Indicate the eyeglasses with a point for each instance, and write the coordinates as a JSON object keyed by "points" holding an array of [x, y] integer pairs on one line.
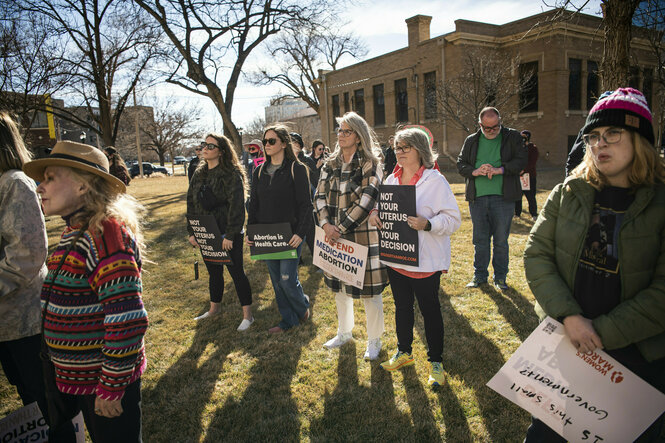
{"points": [[344, 132], [404, 149], [209, 146], [490, 128], [269, 141], [612, 135]]}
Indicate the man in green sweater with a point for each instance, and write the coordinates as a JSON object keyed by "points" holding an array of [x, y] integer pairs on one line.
{"points": [[490, 161]]}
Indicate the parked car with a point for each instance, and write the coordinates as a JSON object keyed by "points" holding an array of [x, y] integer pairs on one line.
{"points": [[179, 160], [148, 169], [161, 169]]}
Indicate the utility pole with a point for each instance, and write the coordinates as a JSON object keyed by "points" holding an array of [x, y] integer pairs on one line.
{"points": [[138, 136]]}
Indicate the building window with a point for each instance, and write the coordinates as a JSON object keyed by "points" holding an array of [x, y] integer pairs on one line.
{"points": [[574, 83], [529, 87], [335, 109], [634, 77], [359, 102], [430, 95], [592, 84], [40, 120], [647, 85], [347, 107], [379, 105], [401, 101]]}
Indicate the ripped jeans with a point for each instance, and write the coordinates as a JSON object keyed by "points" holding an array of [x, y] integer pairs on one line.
{"points": [[291, 300]]}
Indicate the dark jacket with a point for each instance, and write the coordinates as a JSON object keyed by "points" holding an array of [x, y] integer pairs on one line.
{"points": [[316, 174], [530, 167], [552, 254], [311, 165], [576, 154], [227, 189], [513, 160], [390, 161], [192, 167], [281, 198]]}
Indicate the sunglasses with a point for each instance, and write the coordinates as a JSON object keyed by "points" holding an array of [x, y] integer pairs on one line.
{"points": [[269, 141], [253, 150], [209, 146]]}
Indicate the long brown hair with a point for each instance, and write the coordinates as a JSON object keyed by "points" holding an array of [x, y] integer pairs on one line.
{"points": [[228, 159], [283, 134], [13, 153]]}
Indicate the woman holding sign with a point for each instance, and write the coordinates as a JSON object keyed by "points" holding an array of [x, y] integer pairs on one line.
{"points": [[218, 188], [280, 193], [438, 216], [346, 193], [595, 258]]}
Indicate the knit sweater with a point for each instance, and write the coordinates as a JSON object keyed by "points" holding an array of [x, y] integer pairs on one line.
{"points": [[95, 320]]}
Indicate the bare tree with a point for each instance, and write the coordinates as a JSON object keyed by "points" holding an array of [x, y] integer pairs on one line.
{"points": [[617, 26], [109, 47], [484, 80], [212, 39], [254, 129], [173, 129], [299, 53]]}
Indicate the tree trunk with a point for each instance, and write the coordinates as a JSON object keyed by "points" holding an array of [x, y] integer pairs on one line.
{"points": [[617, 23]]}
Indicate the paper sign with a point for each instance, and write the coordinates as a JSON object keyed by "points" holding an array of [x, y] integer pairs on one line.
{"points": [[525, 181], [583, 397], [344, 260], [209, 239], [28, 425], [271, 241], [398, 242]]}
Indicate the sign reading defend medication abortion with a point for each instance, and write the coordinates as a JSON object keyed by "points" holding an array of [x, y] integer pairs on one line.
{"points": [[209, 238], [28, 425], [583, 397], [344, 260], [398, 242]]}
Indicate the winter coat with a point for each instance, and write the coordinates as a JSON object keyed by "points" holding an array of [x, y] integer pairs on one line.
{"points": [[282, 197], [344, 197], [513, 160], [23, 250], [311, 165], [226, 194], [436, 202], [552, 254]]}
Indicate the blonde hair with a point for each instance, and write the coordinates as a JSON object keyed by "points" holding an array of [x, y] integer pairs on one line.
{"points": [[646, 168], [13, 153], [101, 202], [369, 143]]}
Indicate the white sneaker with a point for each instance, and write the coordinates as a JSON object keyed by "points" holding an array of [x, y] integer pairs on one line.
{"points": [[373, 349], [306, 296], [338, 340], [245, 324]]}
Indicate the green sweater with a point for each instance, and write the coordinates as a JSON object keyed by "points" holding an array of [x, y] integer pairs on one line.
{"points": [[552, 255]]}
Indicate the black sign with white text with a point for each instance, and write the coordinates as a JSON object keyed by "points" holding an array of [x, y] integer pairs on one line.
{"points": [[398, 243], [209, 239]]}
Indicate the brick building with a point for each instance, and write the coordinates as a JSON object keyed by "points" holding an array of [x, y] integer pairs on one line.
{"points": [[563, 56]]}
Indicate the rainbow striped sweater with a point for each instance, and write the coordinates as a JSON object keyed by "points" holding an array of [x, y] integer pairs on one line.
{"points": [[95, 320]]}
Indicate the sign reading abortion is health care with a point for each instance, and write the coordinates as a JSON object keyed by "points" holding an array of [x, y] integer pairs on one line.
{"points": [[209, 239], [271, 241], [583, 397], [344, 260], [398, 243]]}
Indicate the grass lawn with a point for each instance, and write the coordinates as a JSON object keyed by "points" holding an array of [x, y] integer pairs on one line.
{"points": [[207, 382]]}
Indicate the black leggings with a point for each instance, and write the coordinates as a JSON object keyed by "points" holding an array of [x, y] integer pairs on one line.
{"points": [[240, 280], [426, 291]]}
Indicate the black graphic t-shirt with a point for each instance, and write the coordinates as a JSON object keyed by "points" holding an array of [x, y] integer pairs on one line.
{"points": [[597, 283]]}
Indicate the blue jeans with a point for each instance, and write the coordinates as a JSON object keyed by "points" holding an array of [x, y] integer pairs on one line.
{"points": [[291, 300], [491, 216]]}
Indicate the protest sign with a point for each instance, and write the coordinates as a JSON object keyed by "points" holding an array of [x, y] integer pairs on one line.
{"points": [[271, 241], [525, 182], [209, 239], [28, 424], [344, 260], [583, 397], [398, 243]]}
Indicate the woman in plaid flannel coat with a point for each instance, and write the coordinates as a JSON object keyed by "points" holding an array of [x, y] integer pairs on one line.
{"points": [[347, 191]]}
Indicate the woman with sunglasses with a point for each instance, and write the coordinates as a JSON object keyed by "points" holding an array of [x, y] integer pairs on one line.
{"points": [[346, 193], [437, 218], [280, 194], [595, 258], [218, 189]]}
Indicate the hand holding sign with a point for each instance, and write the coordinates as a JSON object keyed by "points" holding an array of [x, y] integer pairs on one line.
{"points": [[332, 232], [192, 241], [227, 244], [582, 334], [417, 223]]}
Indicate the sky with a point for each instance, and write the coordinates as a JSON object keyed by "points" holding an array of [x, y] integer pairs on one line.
{"points": [[381, 25]]}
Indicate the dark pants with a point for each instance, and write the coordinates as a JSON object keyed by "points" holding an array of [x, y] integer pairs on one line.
{"points": [[530, 198], [426, 291], [240, 280], [23, 368], [125, 428]]}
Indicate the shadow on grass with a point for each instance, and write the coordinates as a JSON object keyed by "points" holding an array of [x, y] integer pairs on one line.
{"points": [[353, 412], [515, 308]]}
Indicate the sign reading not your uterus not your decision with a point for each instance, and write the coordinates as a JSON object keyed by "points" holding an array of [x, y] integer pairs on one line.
{"points": [[209, 238], [583, 397], [398, 242], [343, 259]]}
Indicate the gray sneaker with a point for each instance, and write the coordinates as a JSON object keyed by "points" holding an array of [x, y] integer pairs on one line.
{"points": [[475, 283], [501, 285]]}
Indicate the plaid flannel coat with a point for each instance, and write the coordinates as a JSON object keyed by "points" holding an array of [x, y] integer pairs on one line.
{"points": [[344, 197]]}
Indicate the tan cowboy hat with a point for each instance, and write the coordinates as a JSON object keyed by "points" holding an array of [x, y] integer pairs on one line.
{"points": [[77, 156]]}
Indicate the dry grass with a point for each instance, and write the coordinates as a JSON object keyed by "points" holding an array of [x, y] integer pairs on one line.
{"points": [[207, 382]]}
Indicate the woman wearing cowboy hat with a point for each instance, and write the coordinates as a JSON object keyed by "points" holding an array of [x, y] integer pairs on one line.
{"points": [[93, 320]]}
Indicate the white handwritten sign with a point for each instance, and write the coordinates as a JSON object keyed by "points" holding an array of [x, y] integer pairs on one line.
{"points": [[525, 181], [583, 397], [344, 260], [28, 424]]}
